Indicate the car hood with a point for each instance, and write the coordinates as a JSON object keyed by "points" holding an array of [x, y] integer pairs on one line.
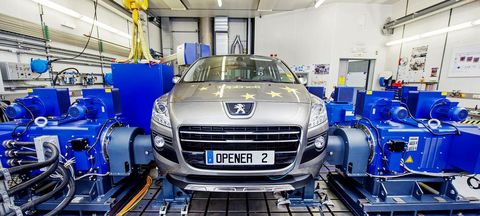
{"points": [[239, 91]]}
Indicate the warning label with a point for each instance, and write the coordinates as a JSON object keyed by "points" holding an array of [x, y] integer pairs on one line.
{"points": [[409, 159], [412, 143]]}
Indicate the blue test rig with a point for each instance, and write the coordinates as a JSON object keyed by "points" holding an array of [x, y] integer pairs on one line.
{"points": [[81, 156], [340, 105], [399, 157]]}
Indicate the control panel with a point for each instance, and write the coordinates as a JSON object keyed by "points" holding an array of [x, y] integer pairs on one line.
{"points": [[16, 71]]}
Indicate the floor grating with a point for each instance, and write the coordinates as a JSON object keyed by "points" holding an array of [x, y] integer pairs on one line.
{"points": [[240, 204]]}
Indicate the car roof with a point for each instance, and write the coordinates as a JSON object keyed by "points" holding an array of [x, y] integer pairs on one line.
{"points": [[240, 55]]}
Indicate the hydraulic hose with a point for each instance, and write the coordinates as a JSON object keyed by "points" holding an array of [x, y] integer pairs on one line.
{"points": [[52, 159], [66, 179], [68, 198], [13, 143], [45, 187], [19, 162], [17, 153]]}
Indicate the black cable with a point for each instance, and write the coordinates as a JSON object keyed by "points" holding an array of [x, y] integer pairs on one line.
{"points": [[53, 158], [37, 178], [425, 125], [68, 198], [65, 180], [472, 185], [95, 4], [377, 134], [54, 82], [29, 123]]}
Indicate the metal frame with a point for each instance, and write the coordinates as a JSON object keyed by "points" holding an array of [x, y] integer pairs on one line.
{"points": [[402, 196]]}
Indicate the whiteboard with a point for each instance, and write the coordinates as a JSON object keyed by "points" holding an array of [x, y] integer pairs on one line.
{"points": [[465, 61]]}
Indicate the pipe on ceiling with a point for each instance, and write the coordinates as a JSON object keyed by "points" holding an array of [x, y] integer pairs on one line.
{"points": [[426, 12]]}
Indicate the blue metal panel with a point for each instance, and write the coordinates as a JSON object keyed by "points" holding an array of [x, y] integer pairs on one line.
{"points": [[56, 100], [367, 101], [110, 100], [420, 103], [140, 85], [343, 94], [464, 152], [190, 53], [318, 91], [340, 113], [205, 50]]}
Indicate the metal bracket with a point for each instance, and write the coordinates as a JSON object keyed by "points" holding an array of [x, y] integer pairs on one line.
{"points": [[164, 208], [283, 201], [451, 192], [417, 191], [383, 193], [184, 210]]}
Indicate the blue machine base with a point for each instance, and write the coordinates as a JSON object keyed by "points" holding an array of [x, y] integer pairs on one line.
{"points": [[90, 203], [306, 196], [172, 197], [361, 202]]}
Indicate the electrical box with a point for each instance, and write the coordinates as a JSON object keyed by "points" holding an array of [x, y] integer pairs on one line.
{"points": [[16, 71]]}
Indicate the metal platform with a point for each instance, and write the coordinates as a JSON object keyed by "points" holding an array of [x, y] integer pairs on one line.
{"points": [[251, 204]]}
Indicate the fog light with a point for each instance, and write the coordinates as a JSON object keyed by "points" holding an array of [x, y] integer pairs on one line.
{"points": [[320, 142], [158, 141]]}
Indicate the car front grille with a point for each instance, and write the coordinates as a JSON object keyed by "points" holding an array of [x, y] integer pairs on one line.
{"points": [[195, 140]]}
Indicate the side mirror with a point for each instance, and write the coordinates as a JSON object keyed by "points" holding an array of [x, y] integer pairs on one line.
{"points": [[176, 79], [303, 80]]}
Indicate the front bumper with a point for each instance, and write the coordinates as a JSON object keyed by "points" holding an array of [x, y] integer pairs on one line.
{"points": [[171, 162], [239, 183]]}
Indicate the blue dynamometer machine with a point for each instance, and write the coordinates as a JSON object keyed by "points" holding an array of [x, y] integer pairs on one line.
{"points": [[95, 146], [400, 158]]}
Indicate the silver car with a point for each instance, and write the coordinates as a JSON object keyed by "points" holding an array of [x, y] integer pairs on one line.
{"points": [[239, 123]]}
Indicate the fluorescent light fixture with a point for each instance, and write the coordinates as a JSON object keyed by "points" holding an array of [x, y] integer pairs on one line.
{"points": [[104, 26], [435, 32], [59, 8], [318, 3], [72, 13], [178, 9], [219, 3]]}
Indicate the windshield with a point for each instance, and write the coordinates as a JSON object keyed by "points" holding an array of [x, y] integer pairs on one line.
{"points": [[239, 69]]}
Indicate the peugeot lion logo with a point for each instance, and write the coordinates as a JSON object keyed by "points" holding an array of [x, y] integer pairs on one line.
{"points": [[239, 110]]}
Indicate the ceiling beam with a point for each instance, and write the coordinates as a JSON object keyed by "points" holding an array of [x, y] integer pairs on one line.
{"points": [[175, 4], [266, 5]]}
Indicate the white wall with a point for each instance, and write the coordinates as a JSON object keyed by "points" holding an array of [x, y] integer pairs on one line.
{"points": [[439, 47], [29, 11], [325, 35]]}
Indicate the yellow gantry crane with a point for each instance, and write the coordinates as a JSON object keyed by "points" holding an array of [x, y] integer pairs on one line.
{"points": [[139, 49]]}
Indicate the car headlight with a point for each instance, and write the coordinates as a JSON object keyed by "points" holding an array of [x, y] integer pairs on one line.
{"points": [[160, 112], [318, 112]]}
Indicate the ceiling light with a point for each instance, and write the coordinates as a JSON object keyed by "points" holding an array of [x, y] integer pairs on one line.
{"points": [[318, 3], [435, 32], [219, 3], [59, 8], [72, 13]]}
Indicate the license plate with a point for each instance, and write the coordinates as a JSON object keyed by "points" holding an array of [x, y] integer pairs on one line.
{"points": [[239, 157]]}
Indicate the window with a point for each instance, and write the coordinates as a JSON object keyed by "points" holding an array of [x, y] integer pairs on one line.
{"points": [[237, 68]]}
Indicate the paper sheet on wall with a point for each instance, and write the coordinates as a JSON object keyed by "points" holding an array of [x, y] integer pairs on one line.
{"points": [[465, 61], [412, 69]]}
